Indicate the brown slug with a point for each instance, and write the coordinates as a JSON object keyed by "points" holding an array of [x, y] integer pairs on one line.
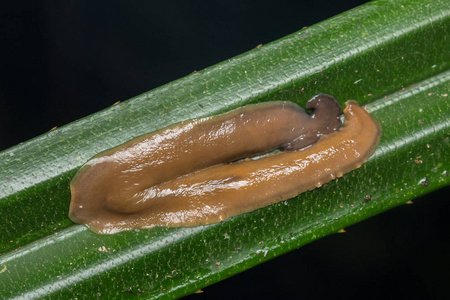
{"points": [[184, 175]]}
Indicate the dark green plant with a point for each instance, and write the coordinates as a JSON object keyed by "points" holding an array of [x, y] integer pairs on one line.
{"points": [[389, 55]]}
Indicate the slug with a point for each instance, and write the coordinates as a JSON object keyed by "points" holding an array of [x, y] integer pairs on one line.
{"points": [[184, 175]]}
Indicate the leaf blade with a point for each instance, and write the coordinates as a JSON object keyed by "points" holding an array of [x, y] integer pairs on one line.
{"points": [[75, 252]]}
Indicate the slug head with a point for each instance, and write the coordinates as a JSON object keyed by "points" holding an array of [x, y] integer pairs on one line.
{"points": [[324, 120]]}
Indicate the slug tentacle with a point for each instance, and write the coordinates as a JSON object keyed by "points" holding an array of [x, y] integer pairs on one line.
{"points": [[167, 178]]}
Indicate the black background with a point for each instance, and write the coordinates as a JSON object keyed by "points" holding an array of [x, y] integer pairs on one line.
{"points": [[63, 60]]}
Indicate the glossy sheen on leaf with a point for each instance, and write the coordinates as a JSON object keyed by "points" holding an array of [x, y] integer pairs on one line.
{"points": [[407, 93]]}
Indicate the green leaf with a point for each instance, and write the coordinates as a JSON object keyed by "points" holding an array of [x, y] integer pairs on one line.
{"points": [[390, 55]]}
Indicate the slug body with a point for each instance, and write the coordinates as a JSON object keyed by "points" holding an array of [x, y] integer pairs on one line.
{"points": [[182, 175]]}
